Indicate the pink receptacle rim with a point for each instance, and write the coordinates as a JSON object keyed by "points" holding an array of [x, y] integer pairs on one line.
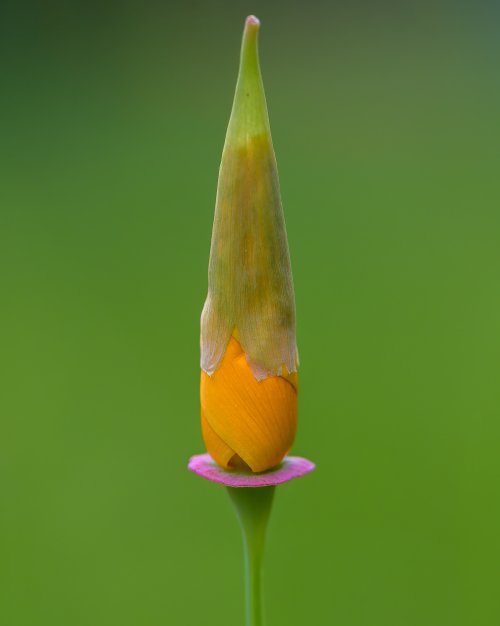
{"points": [[291, 467]]}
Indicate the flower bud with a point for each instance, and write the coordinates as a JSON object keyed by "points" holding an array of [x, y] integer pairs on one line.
{"points": [[248, 347]]}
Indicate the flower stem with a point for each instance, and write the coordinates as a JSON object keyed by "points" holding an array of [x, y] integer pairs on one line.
{"points": [[253, 506]]}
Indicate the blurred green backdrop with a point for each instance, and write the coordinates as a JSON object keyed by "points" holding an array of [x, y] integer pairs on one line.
{"points": [[385, 119]]}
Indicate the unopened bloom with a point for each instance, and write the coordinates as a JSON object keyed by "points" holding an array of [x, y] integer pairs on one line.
{"points": [[248, 348]]}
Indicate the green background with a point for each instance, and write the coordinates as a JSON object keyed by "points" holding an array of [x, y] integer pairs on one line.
{"points": [[385, 120]]}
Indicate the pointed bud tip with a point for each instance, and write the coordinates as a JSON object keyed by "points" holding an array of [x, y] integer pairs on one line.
{"points": [[252, 22]]}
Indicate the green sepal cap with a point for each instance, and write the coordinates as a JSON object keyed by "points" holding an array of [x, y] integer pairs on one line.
{"points": [[250, 287]]}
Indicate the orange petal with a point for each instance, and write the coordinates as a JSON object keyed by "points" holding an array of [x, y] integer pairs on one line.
{"points": [[254, 419], [219, 450]]}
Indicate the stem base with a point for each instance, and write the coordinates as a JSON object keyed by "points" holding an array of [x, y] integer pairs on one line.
{"points": [[253, 507]]}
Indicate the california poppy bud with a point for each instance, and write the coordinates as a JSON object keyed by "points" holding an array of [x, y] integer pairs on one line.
{"points": [[248, 348]]}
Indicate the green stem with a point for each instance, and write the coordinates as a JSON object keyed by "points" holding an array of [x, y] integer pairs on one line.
{"points": [[253, 506]]}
